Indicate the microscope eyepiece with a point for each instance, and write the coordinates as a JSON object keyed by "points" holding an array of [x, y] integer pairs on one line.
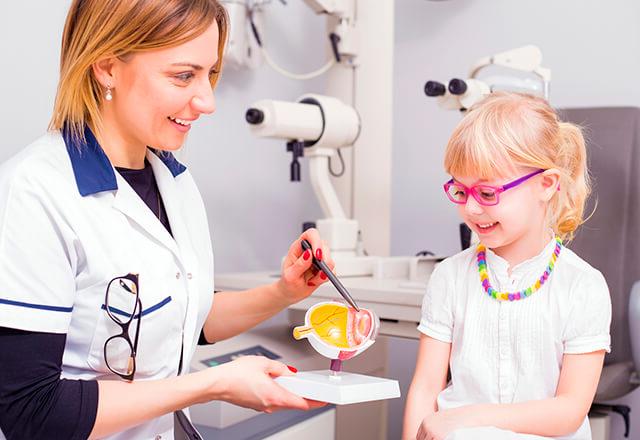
{"points": [[457, 86], [434, 88], [254, 116]]}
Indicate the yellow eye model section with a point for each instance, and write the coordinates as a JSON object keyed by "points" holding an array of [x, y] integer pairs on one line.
{"points": [[329, 322], [337, 325]]}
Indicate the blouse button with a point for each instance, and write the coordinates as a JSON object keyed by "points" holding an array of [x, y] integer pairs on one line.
{"points": [[189, 275], [177, 275]]}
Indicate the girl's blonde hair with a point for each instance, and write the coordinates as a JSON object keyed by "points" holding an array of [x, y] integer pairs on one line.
{"points": [[95, 29], [505, 131]]}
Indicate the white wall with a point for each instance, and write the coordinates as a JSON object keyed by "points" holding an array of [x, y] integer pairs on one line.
{"points": [[593, 50], [30, 34]]}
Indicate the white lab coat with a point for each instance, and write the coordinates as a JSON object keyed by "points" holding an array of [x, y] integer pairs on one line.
{"points": [[68, 225]]}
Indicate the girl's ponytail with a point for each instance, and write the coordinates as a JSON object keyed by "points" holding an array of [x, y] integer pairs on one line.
{"points": [[567, 209]]}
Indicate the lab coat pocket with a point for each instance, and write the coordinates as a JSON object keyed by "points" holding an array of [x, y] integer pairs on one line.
{"points": [[154, 333]]}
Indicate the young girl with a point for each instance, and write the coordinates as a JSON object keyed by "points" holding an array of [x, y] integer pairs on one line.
{"points": [[521, 321]]}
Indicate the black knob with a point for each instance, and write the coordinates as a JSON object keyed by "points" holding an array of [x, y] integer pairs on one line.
{"points": [[457, 86], [254, 116], [434, 88], [295, 170], [308, 225]]}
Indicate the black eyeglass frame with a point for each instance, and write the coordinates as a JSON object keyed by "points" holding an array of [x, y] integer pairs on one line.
{"points": [[124, 325]]}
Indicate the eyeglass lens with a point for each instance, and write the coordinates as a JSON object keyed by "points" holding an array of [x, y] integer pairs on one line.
{"points": [[458, 193]]}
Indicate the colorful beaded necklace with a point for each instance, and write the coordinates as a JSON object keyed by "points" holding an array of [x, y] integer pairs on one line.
{"points": [[513, 296]]}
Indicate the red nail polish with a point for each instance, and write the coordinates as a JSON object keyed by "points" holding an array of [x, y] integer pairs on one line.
{"points": [[319, 254], [292, 369], [323, 276], [310, 284], [306, 255]]}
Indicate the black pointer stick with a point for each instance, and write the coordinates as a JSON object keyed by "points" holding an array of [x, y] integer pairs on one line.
{"points": [[320, 265]]}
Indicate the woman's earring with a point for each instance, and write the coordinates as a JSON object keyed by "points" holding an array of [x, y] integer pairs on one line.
{"points": [[108, 95]]}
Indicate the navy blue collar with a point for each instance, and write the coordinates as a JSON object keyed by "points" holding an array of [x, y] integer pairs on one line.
{"points": [[92, 168]]}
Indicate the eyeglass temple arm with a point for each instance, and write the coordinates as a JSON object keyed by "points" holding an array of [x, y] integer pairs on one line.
{"points": [[522, 179]]}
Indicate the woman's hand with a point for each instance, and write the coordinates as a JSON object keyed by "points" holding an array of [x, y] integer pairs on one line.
{"points": [[438, 425], [248, 382], [299, 278]]}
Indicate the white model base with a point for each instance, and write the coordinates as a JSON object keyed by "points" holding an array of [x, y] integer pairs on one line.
{"points": [[343, 389]]}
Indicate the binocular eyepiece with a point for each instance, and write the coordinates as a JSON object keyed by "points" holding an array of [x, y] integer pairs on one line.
{"points": [[456, 87]]}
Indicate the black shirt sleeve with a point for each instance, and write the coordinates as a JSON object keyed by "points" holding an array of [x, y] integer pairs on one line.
{"points": [[203, 339], [34, 401]]}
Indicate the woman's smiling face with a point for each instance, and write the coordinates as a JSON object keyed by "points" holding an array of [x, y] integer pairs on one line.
{"points": [[158, 94]]}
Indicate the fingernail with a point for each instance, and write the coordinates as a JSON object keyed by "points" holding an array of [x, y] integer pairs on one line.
{"points": [[311, 284], [319, 254], [306, 255], [323, 276], [292, 369]]}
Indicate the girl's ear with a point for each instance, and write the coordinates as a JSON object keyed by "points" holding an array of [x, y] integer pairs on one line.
{"points": [[550, 183]]}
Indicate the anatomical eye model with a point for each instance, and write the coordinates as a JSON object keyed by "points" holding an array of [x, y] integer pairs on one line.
{"points": [[338, 332]]}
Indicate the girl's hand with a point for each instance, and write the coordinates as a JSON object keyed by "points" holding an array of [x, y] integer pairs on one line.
{"points": [[248, 382], [299, 278], [438, 425]]}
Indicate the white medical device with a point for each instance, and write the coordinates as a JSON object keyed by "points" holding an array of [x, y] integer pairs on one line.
{"points": [[316, 127], [242, 50], [246, 48], [461, 94]]}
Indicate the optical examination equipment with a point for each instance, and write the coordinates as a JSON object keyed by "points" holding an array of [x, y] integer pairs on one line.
{"points": [[461, 94]]}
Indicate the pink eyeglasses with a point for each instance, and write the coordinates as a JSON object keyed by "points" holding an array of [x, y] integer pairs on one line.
{"points": [[485, 195]]}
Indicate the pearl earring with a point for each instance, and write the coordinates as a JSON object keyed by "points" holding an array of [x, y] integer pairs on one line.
{"points": [[108, 95]]}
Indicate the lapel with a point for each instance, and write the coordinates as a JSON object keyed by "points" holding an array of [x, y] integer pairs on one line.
{"points": [[173, 200], [130, 204]]}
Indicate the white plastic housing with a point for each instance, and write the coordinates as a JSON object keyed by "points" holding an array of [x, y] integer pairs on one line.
{"points": [[288, 120], [322, 121], [242, 51], [476, 90], [341, 122], [341, 234]]}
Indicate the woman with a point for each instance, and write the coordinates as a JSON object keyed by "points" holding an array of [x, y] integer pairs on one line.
{"points": [[106, 266]]}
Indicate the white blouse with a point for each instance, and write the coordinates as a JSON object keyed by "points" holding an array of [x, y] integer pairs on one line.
{"points": [[511, 351]]}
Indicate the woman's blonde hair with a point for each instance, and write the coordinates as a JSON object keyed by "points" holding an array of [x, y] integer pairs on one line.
{"points": [[509, 130], [95, 29]]}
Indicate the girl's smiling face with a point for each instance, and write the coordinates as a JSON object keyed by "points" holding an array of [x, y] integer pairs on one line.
{"points": [[518, 222]]}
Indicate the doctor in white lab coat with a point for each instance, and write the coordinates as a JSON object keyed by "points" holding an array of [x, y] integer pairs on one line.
{"points": [[106, 264]]}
